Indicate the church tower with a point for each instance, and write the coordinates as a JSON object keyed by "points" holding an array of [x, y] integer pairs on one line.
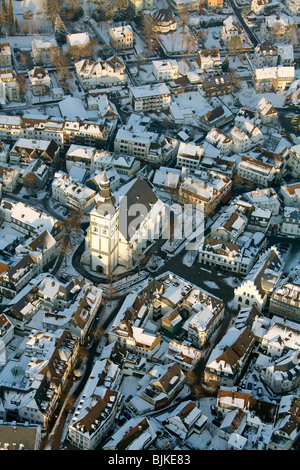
{"points": [[104, 231]]}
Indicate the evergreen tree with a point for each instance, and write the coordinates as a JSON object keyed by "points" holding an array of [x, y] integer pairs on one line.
{"points": [[60, 31], [4, 12], [225, 65], [10, 14]]}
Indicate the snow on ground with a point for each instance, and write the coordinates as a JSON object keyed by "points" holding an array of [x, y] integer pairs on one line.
{"points": [[231, 281], [193, 100], [249, 97], [211, 284]]}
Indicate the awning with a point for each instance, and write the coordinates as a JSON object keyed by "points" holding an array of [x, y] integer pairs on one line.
{"points": [[227, 197]]}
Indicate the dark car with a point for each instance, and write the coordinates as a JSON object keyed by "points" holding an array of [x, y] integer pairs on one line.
{"points": [[216, 422]]}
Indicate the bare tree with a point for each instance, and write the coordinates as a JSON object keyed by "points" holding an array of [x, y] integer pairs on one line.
{"points": [[22, 84], [151, 36], [234, 46]]}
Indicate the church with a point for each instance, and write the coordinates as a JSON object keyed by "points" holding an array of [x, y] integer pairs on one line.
{"points": [[122, 226]]}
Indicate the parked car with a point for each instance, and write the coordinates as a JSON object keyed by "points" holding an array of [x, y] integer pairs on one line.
{"points": [[259, 391], [216, 422]]}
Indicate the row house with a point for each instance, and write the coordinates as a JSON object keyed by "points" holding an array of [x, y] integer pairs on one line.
{"points": [[220, 139], [290, 225], [293, 161], [35, 175], [10, 128], [62, 132], [266, 198], [217, 85], [229, 358], [42, 248], [186, 356], [133, 143], [260, 282], [291, 194], [42, 128], [56, 296], [185, 420], [125, 165], [36, 398], [286, 55], [72, 194], [26, 150], [215, 118], [87, 133], [162, 150], [145, 145], [93, 160], [286, 432], [273, 78], [247, 137], [9, 86], [10, 177], [189, 156], [137, 433], [102, 73], [153, 97], [205, 189], [285, 301], [23, 308], [100, 102], [6, 331], [80, 311], [34, 257], [20, 436], [121, 37], [5, 55], [134, 339], [79, 155], [244, 116], [207, 313], [281, 374], [225, 255], [4, 152], [229, 225], [280, 337], [259, 220], [161, 385], [261, 173], [29, 221]]}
